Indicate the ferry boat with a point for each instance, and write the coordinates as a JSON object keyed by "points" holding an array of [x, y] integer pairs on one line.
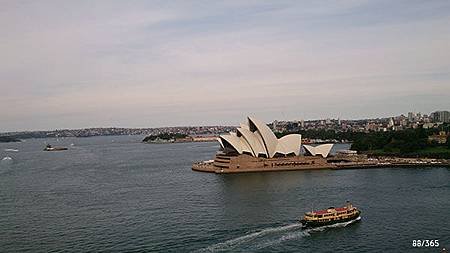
{"points": [[50, 148], [330, 216]]}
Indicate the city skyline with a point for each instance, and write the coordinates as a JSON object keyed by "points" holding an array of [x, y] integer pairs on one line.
{"points": [[81, 64], [413, 118]]}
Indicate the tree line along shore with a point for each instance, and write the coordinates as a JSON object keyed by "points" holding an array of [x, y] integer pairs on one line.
{"points": [[418, 142], [9, 139]]}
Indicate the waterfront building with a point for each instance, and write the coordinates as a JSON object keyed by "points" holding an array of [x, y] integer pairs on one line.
{"points": [[254, 147], [255, 138], [322, 150]]}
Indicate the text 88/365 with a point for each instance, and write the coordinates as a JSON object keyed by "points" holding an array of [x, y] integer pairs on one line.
{"points": [[425, 243]]}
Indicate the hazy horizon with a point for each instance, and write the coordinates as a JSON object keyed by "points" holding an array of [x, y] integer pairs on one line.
{"points": [[242, 120], [145, 64]]}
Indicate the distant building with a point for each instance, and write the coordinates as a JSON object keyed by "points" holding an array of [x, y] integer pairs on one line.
{"points": [[347, 152], [440, 138], [403, 122], [411, 116], [428, 125], [302, 123], [275, 125], [440, 116], [391, 123]]}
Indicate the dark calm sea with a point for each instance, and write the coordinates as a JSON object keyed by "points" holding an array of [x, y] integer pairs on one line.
{"points": [[115, 194]]}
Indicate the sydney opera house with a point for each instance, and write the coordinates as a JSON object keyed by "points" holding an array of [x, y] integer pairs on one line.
{"points": [[254, 147], [256, 139]]}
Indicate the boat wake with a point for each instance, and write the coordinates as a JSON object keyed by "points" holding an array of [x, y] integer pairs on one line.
{"points": [[11, 150], [7, 158], [270, 236], [302, 233], [238, 241]]}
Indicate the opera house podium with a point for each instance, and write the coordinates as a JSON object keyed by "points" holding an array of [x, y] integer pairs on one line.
{"points": [[254, 147]]}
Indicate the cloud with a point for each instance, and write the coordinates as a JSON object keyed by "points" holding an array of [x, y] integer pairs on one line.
{"points": [[87, 63]]}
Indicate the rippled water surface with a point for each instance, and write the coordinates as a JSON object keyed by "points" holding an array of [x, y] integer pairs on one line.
{"points": [[115, 194]]}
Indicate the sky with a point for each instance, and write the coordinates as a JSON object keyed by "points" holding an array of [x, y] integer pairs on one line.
{"points": [[93, 63]]}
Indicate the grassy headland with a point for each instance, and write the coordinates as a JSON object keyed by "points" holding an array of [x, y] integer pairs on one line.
{"points": [[164, 136]]}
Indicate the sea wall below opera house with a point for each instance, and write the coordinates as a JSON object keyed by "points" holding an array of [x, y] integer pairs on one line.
{"points": [[245, 163]]}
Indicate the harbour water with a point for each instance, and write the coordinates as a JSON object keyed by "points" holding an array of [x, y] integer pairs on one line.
{"points": [[115, 194]]}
